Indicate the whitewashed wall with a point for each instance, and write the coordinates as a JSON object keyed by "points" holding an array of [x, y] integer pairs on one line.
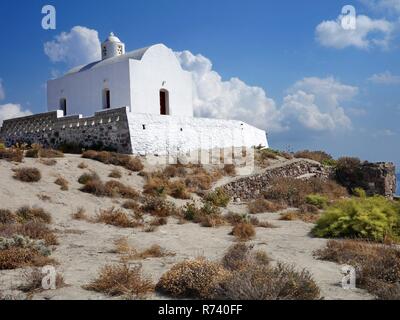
{"points": [[155, 134]]}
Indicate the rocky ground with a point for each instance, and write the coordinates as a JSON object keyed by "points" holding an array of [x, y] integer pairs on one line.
{"points": [[85, 247]]}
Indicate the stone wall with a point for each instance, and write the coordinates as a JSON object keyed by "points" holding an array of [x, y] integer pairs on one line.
{"points": [[374, 178], [107, 128], [132, 133], [251, 187]]}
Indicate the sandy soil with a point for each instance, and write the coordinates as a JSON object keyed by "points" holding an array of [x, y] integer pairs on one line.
{"points": [[86, 247]]}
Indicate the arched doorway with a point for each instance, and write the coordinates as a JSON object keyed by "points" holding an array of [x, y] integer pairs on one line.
{"points": [[63, 106], [164, 102]]}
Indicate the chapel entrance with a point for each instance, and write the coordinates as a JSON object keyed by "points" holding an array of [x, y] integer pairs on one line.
{"points": [[63, 106], [106, 99], [164, 103]]}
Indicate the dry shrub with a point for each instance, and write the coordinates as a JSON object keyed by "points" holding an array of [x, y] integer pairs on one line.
{"points": [[117, 280], [219, 197], [109, 189], [15, 257], [244, 231], [199, 182], [116, 188], [149, 228], [208, 215], [27, 174], [131, 205], [293, 192], [192, 279], [319, 156], [26, 214], [377, 266], [263, 282], [173, 171], [33, 281], [155, 251], [156, 186], [115, 173], [117, 218], [86, 177], [80, 214], [229, 170], [159, 207], [177, 189], [262, 206], [50, 153], [32, 230], [289, 216], [240, 256], [7, 217], [82, 165], [48, 162], [117, 159], [12, 154], [62, 182], [158, 221]]}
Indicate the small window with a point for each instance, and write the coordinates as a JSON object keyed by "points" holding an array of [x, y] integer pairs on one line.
{"points": [[106, 99], [119, 50], [63, 106], [164, 102], [104, 51]]}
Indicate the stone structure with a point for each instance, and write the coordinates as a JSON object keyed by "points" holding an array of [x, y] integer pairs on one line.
{"points": [[251, 187], [374, 178], [126, 132]]}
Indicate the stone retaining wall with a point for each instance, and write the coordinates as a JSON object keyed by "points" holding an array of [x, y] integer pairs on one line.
{"points": [[251, 187], [108, 128]]}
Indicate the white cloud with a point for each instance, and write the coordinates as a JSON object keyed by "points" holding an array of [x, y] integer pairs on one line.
{"points": [[10, 110], [314, 103], [2, 93], [387, 5], [232, 99], [368, 33], [385, 78], [79, 46]]}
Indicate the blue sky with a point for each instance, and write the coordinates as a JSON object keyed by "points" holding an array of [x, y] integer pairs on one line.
{"points": [[303, 79]]}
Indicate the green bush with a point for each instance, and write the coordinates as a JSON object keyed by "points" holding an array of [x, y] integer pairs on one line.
{"points": [[374, 218], [317, 200], [359, 192], [218, 197]]}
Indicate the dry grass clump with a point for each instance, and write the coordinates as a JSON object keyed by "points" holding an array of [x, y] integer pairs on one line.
{"points": [[229, 170], [48, 162], [132, 205], [159, 221], [178, 190], [241, 256], [109, 189], [115, 173], [293, 192], [37, 151], [63, 183], [80, 214], [15, 257], [117, 218], [319, 156], [33, 230], [117, 159], [174, 171], [27, 174], [244, 231], [158, 207], [7, 216], [156, 186], [123, 247], [308, 217], [377, 266], [86, 177], [121, 280], [262, 206], [12, 154], [26, 214], [33, 281], [196, 278], [82, 165]]}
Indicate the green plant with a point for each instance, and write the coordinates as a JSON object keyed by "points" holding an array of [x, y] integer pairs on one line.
{"points": [[317, 200], [374, 218], [218, 197], [359, 192]]}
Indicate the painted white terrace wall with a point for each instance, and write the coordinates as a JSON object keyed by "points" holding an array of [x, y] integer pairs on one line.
{"points": [[162, 135]]}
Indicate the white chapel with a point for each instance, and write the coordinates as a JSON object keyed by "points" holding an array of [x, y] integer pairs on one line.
{"points": [[148, 80]]}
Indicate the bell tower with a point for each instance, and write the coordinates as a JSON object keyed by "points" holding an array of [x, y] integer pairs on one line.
{"points": [[112, 47]]}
